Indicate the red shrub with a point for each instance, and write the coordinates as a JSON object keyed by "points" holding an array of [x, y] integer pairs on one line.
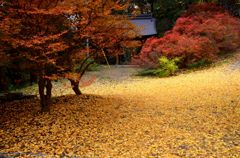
{"points": [[147, 57], [221, 28], [201, 33], [176, 45]]}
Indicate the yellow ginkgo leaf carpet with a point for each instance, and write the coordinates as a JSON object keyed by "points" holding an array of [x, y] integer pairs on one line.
{"points": [[190, 115]]}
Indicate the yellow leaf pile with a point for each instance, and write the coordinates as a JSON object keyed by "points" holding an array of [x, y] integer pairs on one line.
{"points": [[190, 115]]}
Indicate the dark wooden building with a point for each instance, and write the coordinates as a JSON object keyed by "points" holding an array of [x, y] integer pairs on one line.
{"points": [[145, 21]]}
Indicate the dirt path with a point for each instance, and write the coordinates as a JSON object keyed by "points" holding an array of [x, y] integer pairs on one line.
{"points": [[190, 115]]}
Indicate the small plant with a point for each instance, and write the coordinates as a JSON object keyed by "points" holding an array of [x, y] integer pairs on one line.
{"points": [[199, 64], [94, 67], [167, 67]]}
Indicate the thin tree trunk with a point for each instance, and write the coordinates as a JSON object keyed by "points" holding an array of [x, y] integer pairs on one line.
{"points": [[44, 99], [75, 87], [75, 84], [117, 60]]}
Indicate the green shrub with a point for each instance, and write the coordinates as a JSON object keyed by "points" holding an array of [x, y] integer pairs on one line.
{"points": [[94, 67], [167, 67], [199, 64]]}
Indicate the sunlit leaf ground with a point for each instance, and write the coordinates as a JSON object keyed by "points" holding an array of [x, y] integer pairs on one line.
{"points": [[195, 114]]}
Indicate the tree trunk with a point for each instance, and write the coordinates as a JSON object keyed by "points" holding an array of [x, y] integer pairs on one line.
{"points": [[44, 98], [49, 89], [117, 60], [75, 84], [75, 87], [4, 84]]}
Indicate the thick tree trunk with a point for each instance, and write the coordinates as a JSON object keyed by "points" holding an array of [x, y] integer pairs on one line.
{"points": [[49, 89], [44, 98], [75, 87]]}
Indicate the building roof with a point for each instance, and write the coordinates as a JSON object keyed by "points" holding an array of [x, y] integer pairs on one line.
{"points": [[147, 25]]}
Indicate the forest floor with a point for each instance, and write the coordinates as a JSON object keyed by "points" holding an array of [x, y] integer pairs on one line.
{"points": [[194, 114]]}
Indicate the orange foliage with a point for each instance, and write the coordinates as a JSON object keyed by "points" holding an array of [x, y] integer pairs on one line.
{"points": [[52, 34]]}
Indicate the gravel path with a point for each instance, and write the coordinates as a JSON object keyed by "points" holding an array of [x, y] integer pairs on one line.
{"points": [[190, 115]]}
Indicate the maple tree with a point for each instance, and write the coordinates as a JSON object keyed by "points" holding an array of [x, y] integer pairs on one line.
{"points": [[107, 34], [32, 30], [51, 36]]}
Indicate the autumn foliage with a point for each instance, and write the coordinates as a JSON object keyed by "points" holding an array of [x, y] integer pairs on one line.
{"points": [[50, 36], [202, 32]]}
